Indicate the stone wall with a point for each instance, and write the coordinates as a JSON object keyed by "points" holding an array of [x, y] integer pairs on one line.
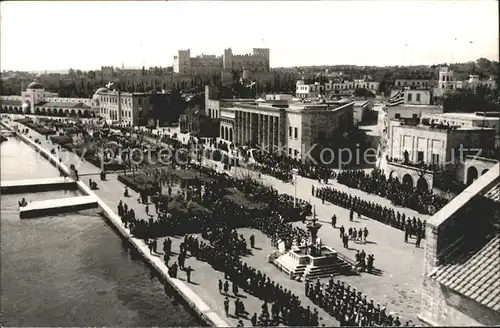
{"points": [[440, 305]]}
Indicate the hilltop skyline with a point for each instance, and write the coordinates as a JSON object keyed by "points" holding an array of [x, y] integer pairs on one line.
{"points": [[138, 34]]}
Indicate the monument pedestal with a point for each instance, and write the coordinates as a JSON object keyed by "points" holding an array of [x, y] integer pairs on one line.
{"points": [[300, 264]]}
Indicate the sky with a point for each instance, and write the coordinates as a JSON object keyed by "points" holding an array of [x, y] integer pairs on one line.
{"points": [[55, 35]]}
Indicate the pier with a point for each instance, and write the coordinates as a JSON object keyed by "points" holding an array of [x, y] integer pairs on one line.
{"points": [[36, 185], [58, 206]]}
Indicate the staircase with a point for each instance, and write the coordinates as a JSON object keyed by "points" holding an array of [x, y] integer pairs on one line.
{"points": [[341, 266], [338, 268], [289, 266]]}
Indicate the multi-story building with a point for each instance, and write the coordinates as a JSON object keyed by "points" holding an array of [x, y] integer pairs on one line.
{"points": [[417, 83], [413, 145], [346, 88], [257, 61], [277, 123], [461, 274], [123, 107], [414, 104], [447, 82], [477, 119], [35, 100]]}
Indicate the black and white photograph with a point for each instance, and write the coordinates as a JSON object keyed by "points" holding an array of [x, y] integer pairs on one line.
{"points": [[237, 163]]}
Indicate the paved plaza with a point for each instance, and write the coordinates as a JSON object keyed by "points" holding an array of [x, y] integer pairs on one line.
{"points": [[397, 287]]}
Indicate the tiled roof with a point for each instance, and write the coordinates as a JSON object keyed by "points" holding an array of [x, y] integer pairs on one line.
{"points": [[9, 102], [478, 278], [63, 105], [494, 193]]}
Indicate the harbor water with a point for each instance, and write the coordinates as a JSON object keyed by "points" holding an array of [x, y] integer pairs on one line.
{"points": [[73, 269]]}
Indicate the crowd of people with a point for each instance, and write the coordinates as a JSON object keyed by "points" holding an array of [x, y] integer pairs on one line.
{"points": [[350, 307], [222, 253], [411, 226], [401, 194], [221, 246], [281, 167]]}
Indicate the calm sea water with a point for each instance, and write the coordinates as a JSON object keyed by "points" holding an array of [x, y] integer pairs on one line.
{"points": [[72, 270]]}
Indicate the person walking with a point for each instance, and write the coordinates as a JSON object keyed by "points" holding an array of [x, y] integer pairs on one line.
{"points": [[226, 306]]}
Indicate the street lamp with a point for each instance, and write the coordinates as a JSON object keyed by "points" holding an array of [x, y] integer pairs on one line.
{"points": [[295, 172]]}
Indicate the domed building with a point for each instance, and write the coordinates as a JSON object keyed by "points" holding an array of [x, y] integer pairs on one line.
{"points": [[122, 107], [35, 86], [35, 100]]}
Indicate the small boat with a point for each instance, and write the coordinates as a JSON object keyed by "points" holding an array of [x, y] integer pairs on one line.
{"points": [[23, 203]]}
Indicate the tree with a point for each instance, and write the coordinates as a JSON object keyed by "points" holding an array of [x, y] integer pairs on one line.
{"points": [[91, 74]]}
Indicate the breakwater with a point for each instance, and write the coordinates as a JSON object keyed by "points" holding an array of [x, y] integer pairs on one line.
{"points": [[181, 288]]}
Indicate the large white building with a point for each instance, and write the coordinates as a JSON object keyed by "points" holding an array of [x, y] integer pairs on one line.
{"points": [[35, 100], [120, 107], [257, 61], [123, 107], [278, 123], [414, 145], [415, 104]]}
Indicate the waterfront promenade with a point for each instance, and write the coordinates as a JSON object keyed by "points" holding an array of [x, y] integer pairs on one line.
{"points": [[204, 277], [398, 287]]}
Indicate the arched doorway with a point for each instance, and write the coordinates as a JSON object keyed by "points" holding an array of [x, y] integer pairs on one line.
{"points": [[231, 134], [10, 109], [79, 113], [393, 175], [66, 112], [37, 111], [222, 132], [407, 181], [471, 175], [61, 112], [73, 113], [484, 171], [86, 114], [226, 133], [422, 185]]}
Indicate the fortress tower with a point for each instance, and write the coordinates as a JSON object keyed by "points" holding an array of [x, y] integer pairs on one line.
{"points": [[227, 60], [182, 62]]}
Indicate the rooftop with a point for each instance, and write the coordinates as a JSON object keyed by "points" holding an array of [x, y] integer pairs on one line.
{"points": [[467, 116], [478, 278], [414, 106], [63, 105], [475, 274], [9, 102], [441, 128], [294, 105]]}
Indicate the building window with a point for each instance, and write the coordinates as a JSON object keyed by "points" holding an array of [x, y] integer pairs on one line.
{"points": [[289, 131], [289, 151], [435, 159], [415, 115], [420, 156], [418, 96], [409, 97], [398, 116], [296, 153], [296, 133]]}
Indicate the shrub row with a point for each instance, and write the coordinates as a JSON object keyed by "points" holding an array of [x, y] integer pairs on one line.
{"points": [[140, 182], [37, 127]]}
